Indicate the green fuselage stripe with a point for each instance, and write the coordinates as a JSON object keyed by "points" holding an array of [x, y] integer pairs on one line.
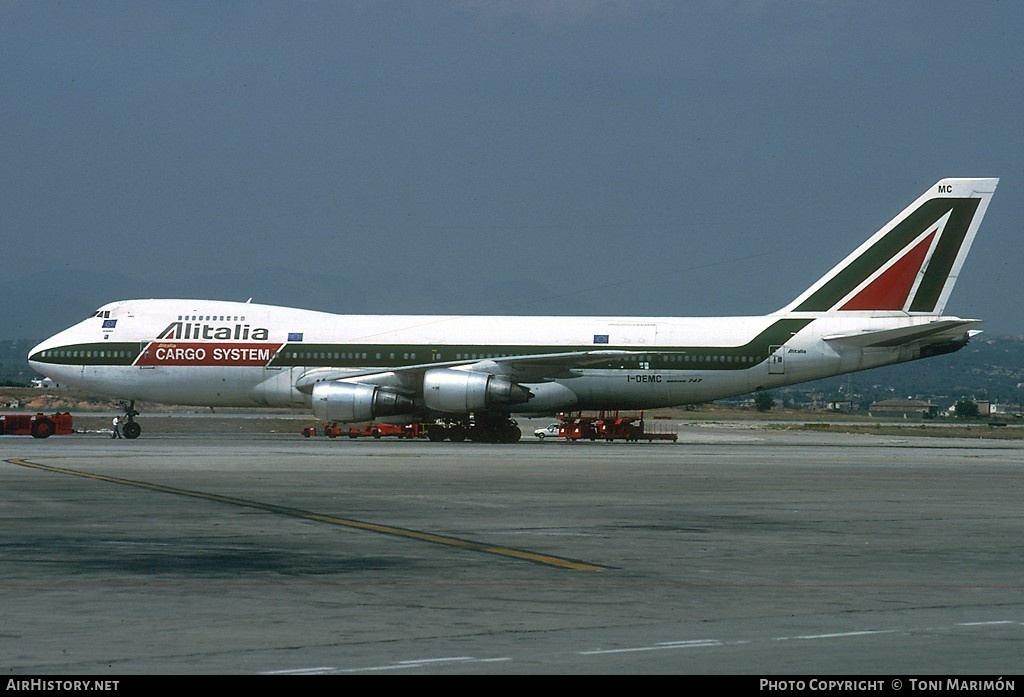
{"points": [[392, 356]]}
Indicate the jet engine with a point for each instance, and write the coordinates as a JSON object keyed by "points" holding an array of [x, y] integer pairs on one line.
{"points": [[354, 401], [461, 391]]}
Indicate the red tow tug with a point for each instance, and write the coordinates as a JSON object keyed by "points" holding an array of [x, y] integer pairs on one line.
{"points": [[36, 425], [609, 426], [372, 430]]}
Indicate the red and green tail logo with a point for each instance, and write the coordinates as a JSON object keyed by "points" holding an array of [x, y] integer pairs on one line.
{"points": [[911, 264]]}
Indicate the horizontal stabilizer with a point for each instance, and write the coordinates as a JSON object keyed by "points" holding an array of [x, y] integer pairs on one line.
{"points": [[930, 333]]}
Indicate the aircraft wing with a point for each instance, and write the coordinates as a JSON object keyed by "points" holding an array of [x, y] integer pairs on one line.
{"points": [[523, 368], [937, 332], [547, 366]]}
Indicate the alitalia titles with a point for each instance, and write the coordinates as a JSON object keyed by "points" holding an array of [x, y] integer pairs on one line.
{"points": [[198, 330]]}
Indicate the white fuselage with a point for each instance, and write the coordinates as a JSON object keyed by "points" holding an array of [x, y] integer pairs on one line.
{"points": [[216, 353]]}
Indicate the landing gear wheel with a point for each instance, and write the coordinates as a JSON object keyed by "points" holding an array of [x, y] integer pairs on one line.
{"points": [[456, 434], [129, 428], [511, 434]]}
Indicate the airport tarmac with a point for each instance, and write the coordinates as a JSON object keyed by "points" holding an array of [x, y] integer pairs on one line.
{"points": [[731, 551]]}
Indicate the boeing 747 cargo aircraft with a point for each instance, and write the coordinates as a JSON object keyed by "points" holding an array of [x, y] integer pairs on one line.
{"points": [[884, 303]]}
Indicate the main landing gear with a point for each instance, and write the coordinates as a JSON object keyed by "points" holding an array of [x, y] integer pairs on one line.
{"points": [[480, 429], [129, 428]]}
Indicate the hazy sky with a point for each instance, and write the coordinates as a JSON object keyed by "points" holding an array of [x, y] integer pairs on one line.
{"points": [[659, 158]]}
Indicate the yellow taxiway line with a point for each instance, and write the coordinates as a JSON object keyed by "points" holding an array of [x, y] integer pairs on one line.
{"points": [[469, 545]]}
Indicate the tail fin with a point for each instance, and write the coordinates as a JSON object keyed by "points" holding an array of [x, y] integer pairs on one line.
{"points": [[912, 263]]}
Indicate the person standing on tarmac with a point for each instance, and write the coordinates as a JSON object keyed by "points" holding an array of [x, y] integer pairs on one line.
{"points": [[117, 428]]}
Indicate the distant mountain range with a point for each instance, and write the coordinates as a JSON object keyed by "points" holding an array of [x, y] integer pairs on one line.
{"points": [[989, 368]]}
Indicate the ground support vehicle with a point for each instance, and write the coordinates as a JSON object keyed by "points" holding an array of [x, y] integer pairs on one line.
{"points": [[609, 426], [381, 431], [549, 431], [372, 430], [36, 425]]}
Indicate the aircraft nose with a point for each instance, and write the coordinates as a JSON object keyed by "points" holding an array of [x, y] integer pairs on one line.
{"points": [[40, 360], [36, 353], [35, 356]]}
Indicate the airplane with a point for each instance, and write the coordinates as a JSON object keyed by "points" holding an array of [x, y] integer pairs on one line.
{"points": [[883, 304]]}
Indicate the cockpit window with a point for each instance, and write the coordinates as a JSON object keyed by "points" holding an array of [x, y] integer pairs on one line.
{"points": [[101, 313]]}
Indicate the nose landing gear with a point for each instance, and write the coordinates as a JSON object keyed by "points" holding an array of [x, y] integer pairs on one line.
{"points": [[129, 427]]}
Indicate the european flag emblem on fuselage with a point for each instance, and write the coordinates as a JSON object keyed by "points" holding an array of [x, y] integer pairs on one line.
{"points": [[109, 323], [600, 338], [294, 336]]}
